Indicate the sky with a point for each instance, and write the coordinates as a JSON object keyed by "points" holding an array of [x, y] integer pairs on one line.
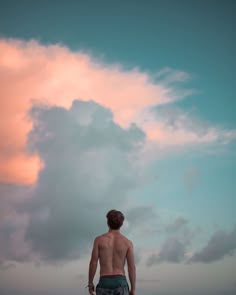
{"points": [[126, 105]]}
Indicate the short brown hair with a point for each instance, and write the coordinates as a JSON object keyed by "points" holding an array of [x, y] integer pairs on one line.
{"points": [[115, 219]]}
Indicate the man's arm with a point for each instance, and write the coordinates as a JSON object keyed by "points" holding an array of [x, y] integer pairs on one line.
{"points": [[93, 265], [131, 268]]}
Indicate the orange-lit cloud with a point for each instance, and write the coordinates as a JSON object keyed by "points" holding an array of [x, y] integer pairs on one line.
{"points": [[55, 75], [20, 168]]}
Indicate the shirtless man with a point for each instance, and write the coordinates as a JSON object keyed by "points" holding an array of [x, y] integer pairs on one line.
{"points": [[112, 249]]}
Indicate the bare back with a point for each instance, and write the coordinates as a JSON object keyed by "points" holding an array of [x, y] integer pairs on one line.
{"points": [[112, 253]]}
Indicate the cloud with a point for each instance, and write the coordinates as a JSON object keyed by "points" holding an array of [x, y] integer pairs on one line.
{"points": [[169, 126], [13, 245], [172, 250], [80, 157], [178, 238], [176, 225], [6, 266], [141, 215], [221, 244], [13, 224], [89, 168], [55, 75], [180, 228], [143, 223]]}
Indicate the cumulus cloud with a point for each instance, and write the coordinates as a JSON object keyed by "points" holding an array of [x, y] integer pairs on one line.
{"points": [[56, 75], [81, 157], [89, 168], [221, 244]]}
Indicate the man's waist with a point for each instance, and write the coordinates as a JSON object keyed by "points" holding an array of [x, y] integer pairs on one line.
{"points": [[111, 275]]}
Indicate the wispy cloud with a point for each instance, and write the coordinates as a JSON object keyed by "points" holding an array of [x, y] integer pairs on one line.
{"points": [[169, 126]]}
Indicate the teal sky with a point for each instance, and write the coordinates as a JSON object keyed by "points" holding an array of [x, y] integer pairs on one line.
{"points": [[193, 182]]}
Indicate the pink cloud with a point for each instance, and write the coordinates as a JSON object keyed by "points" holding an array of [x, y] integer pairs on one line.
{"points": [[56, 75]]}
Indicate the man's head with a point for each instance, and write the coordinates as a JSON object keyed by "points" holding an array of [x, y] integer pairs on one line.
{"points": [[115, 219]]}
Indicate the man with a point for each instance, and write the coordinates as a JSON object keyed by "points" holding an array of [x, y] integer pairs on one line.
{"points": [[112, 249]]}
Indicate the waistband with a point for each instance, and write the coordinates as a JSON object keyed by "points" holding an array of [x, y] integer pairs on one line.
{"points": [[111, 276]]}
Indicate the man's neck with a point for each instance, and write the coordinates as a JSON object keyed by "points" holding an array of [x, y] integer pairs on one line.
{"points": [[114, 231]]}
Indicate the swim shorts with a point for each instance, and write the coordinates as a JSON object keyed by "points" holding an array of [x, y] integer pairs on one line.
{"points": [[112, 285]]}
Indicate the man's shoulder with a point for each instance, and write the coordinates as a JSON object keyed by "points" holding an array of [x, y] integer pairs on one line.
{"points": [[100, 237], [125, 238], [126, 241]]}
